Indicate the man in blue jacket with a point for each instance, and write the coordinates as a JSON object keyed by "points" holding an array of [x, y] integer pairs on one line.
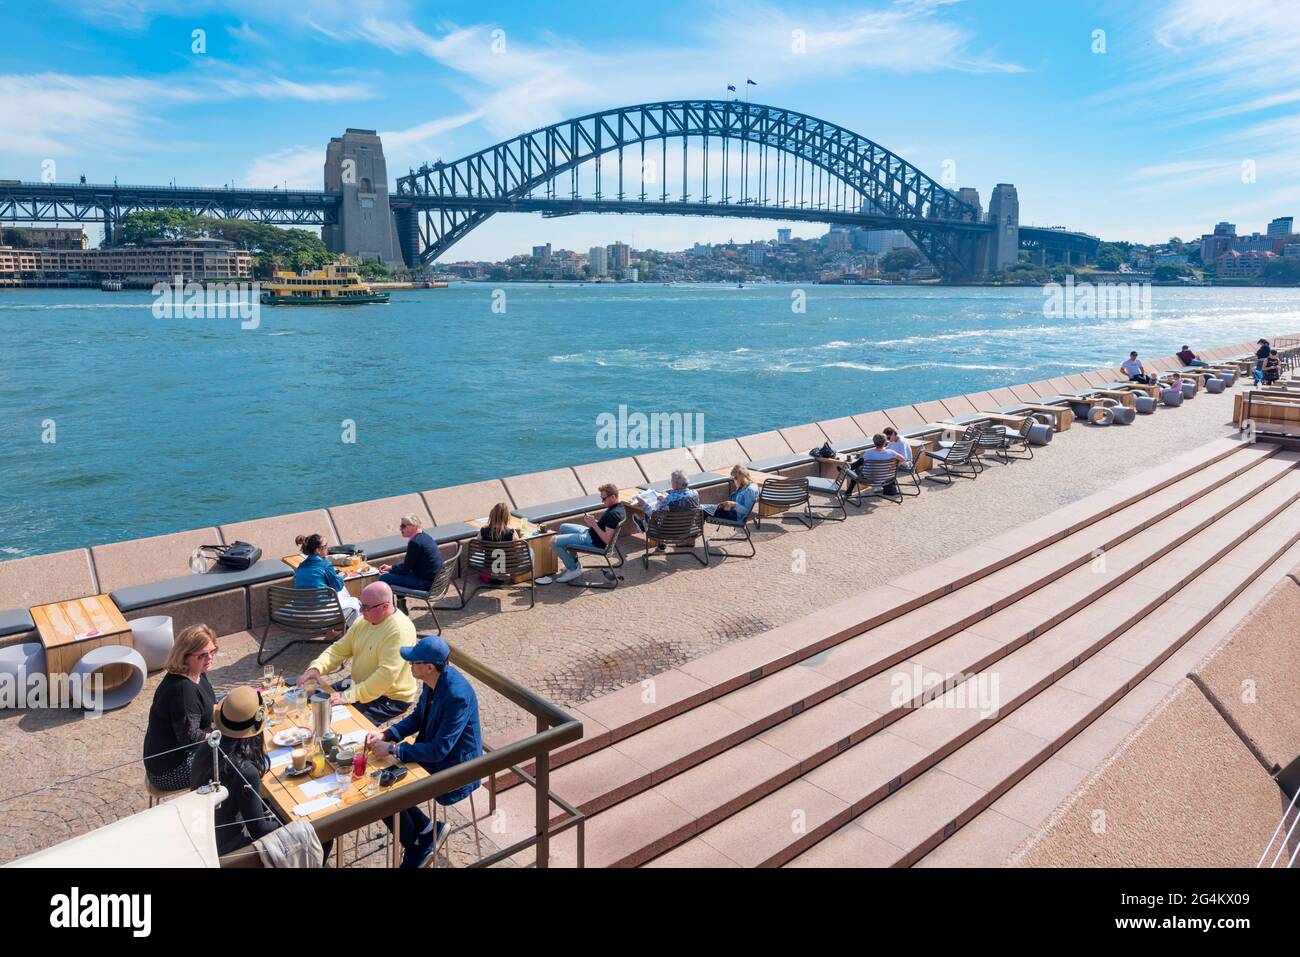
{"points": [[446, 727]]}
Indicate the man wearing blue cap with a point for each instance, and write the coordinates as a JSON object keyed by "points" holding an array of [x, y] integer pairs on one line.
{"points": [[446, 727]]}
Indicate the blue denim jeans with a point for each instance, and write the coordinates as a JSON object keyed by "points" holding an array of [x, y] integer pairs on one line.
{"points": [[571, 535], [405, 581], [1196, 362]]}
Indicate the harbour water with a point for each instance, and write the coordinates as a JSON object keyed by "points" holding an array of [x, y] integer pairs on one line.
{"points": [[115, 424]]}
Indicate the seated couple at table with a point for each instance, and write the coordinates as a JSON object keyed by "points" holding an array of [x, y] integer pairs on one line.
{"points": [[681, 497], [593, 535], [422, 561], [887, 447], [317, 571]]}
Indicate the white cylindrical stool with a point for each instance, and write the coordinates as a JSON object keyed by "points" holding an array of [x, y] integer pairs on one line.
{"points": [[1146, 405], [21, 661], [1172, 397], [1102, 415], [1189, 390], [124, 673], [1123, 414], [1228, 378], [1215, 386], [152, 637]]}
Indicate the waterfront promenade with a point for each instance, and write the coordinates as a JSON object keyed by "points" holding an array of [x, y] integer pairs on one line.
{"points": [[577, 645]]}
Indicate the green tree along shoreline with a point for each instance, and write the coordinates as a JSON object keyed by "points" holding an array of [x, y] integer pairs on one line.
{"points": [[272, 248]]}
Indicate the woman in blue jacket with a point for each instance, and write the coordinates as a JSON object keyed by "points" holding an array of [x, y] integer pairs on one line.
{"points": [[317, 571]]}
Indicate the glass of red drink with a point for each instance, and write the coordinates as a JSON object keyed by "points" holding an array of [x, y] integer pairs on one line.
{"points": [[359, 764]]}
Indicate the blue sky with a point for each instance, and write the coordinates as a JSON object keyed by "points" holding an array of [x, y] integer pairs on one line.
{"points": [[1142, 141]]}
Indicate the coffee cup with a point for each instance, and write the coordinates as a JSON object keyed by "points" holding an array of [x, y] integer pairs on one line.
{"points": [[299, 758]]}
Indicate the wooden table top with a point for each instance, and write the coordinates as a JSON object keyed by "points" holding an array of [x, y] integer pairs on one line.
{"points": [[285, 793], [347, 572], [78, 619]]}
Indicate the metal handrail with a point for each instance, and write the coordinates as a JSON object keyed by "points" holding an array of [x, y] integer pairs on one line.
{"points": [[1285, 840], [555, 728]]}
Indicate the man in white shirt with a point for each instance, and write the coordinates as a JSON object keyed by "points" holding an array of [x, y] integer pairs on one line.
{"points": [[894, 443], [1135, 371]]}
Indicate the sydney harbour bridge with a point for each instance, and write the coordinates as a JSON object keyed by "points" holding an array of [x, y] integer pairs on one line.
{"points": [[684, 157]]}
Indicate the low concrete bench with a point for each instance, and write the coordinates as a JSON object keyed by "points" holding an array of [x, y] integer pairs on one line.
{"points": [[554, 511], [391, 545], [194, 586], [16, 622], [697, 481], [776, 463]]}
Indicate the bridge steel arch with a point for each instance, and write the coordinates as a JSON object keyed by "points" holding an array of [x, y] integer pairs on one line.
{"points": [[436, 203]]}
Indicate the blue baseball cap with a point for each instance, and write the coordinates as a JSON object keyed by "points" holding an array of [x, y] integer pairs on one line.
{"points": [[430, 649]]}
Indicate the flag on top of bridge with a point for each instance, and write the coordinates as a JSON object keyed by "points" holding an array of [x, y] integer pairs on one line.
{"points": [[731, 87], [749, 82]]}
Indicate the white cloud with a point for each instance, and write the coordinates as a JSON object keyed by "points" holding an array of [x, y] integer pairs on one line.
{"points": [[53, 114], [524, 84]]}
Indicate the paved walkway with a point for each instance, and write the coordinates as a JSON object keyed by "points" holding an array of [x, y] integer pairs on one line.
{"points": [[578, 644]]}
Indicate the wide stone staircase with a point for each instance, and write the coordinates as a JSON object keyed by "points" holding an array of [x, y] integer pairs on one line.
{"points": [[873, 731]]}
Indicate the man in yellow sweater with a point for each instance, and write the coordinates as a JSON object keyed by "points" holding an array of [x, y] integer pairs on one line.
{"points": [[382, 684]]}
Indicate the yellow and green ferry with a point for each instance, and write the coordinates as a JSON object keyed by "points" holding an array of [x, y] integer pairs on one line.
{"points": [[335, 285]]}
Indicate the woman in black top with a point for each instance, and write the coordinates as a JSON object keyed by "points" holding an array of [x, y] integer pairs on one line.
{"points": [[243, 817], [181, 713]]}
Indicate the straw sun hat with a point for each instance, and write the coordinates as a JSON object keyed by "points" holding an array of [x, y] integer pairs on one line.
{"points": [[240, 713]]}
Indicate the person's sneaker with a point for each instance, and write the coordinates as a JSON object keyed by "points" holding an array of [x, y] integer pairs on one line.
{"points": [[570, 575], [544, 580], [418, 851]]}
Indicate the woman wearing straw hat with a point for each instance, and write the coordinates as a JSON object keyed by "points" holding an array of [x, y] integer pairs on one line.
{"points": [[243, 817]]}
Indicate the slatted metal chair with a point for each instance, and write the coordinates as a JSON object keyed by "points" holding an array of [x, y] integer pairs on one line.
{"points": [[1019, 439], [991, 438], [301, 611], [955, 459], [833, 489], [676, 529], [740, 533], [609, 553], [446, 576], [971, 432], [874, 477], [783, 495], [502, 560]]}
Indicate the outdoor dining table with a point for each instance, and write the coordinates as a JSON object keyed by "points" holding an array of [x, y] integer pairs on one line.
{"points": [[540, 543], [286, 794], [355, 576], [69, 629]]}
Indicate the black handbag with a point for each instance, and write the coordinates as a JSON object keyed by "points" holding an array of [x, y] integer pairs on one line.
{"points": [[825, 452], [236, 556]]}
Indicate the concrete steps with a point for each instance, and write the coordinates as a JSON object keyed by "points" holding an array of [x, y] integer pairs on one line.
{"points": [[1032, 711], [994, 833], [1035, 724], [760, 772]]}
